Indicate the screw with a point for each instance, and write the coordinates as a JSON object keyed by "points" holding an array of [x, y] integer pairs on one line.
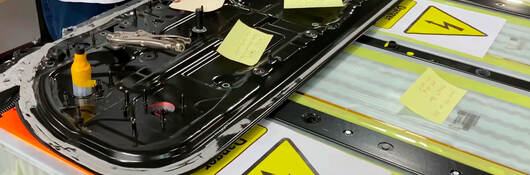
{"points": [[311, 118], [483, 72], [348, 132], [392, 45], [386, 146], [311, 34], [455, 172], [259, 71]]}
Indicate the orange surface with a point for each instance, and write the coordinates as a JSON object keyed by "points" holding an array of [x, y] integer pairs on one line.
{"points": [[12, 124]]}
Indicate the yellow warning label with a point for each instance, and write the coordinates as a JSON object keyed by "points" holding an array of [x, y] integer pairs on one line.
{"points": [[434, 21], [224, 158], [395, 14], [283, 158]]}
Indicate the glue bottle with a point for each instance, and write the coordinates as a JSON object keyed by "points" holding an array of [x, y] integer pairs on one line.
{"points": [[82, 82], [83, 85]]}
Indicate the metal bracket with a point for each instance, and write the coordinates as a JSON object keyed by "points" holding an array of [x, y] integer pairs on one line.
{"points": [[373, 144]]}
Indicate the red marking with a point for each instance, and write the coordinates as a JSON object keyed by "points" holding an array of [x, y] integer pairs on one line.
{"points": [[159, 108]]}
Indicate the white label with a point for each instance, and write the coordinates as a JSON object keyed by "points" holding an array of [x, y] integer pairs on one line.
{"points": [[453, 20]]}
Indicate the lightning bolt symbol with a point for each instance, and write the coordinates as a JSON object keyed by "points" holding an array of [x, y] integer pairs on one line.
{"points": [[446, 25]]}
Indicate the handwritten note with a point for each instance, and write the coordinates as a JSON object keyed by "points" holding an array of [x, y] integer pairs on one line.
{"points": [[244, 44], [191, 5], [293, 4], [432, 97]]}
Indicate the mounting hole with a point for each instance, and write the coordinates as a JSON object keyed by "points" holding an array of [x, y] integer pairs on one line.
{"points": [[147, 56], [348, 132], [385, 146], [455, 172], [311, 118], [226, 85]]}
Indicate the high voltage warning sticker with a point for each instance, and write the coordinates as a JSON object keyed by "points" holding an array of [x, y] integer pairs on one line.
{"points": [[434, 21], [282, 158], [224, 158]]}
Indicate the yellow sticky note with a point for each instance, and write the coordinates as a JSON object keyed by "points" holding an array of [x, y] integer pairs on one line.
{"points": [[244, 44], [293, 4], [432, 97]]}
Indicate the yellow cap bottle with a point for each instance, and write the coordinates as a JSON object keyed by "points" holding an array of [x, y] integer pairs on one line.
{"points": [[81, 74]]}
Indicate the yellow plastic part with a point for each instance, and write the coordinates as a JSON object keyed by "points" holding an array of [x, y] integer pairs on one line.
{"points": [[404, 135], [82, 72]]}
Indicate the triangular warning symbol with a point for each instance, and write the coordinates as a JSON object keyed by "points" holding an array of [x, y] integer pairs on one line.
{"points": [[434, 21], [283, 158]]}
